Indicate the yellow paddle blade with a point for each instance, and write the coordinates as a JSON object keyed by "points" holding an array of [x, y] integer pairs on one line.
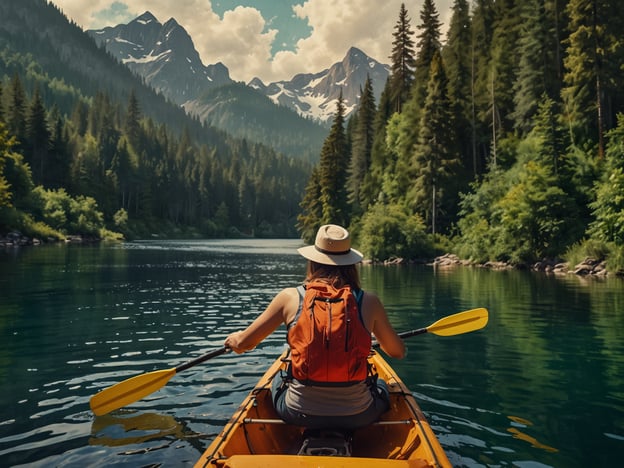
{"points": [[463, 322], [129, 391]]}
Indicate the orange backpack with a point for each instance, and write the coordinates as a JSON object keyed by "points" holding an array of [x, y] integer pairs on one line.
{"points": [[328, 340]]}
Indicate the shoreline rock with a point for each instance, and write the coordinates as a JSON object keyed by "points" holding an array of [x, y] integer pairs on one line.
{"points": [[17, 239], [588, 267]]}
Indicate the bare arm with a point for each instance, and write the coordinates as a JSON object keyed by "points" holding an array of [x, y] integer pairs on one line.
{"points": [[377, 322], [276, 313]]}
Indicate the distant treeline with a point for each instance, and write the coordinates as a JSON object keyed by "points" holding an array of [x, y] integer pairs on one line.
{"points": [[112, 167]]}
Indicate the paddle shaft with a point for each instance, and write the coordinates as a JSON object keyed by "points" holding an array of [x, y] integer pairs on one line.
{"points": [[200, 359], [410, 333], [406, 334]]}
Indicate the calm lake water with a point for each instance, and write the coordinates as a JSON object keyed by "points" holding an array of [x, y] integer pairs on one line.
{"points": [[542, 385]]}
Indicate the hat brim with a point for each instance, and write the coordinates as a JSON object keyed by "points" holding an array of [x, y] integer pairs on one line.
{"points": [[312, 253]]}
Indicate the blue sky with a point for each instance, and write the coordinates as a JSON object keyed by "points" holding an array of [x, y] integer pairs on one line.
{"points": [[269, 39], [278, 14]]}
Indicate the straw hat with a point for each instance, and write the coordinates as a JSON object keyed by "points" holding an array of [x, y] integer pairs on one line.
{"points": [[332, 247]]}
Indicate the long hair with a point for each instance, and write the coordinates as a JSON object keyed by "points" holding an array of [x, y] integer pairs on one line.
{"points": [[336, 275]]}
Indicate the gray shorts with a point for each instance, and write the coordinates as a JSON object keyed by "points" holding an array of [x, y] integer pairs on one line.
{"points": [[379, 405]]}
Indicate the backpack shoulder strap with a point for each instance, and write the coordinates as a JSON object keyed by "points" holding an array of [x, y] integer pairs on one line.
{"points": [[301, 290], [359, 296]]}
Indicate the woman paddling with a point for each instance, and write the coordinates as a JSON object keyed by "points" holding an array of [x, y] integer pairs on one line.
{"points": [[329, 321]]}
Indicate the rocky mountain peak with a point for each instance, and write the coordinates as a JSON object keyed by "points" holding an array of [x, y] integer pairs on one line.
{"points": [[164, 54]]}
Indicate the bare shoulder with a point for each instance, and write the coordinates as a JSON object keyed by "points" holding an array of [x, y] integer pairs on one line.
{"points": [[288, 301], [371, 302], [288, 295], [372, 309]]}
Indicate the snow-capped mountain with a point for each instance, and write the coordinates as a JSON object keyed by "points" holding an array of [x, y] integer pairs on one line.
{"points": [[315, 95], [164, 55]]}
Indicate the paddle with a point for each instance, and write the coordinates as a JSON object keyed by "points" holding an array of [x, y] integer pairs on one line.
{"points": [[456, 324], [135, 388]]}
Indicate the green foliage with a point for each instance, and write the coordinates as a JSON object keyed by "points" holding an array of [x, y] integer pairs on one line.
{"points": [[120, 218], [15, 177], [5, 186], [597, 250], [615, 259], [587, 248], [386, 231], [518, 216], [608, 207], [66, 214], [480, 221], [28, 226], [537, 217]]}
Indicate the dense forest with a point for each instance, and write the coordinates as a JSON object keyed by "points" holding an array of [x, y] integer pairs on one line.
{"points": [[117, 159], [503, 143]]}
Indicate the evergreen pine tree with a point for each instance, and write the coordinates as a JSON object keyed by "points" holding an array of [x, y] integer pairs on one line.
{"points": [[5, 186], [16, 119], [1, 104], [532, 49], [403, 61], [59, 155], [457, 57], [361, 146], [546, 128], [371, 190], [435, 158], [311, 209], [333, 168], [37, 140], [79, 118], [120, 173], [503, 67], [428, 45], [482, 27], [593, 66], [133, 120]]}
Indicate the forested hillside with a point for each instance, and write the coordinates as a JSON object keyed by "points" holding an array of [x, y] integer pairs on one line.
{"points": [[86, 148], [505, 142]]}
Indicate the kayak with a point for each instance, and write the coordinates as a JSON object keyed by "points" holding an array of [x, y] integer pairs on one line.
{"points": [[256, 437]]}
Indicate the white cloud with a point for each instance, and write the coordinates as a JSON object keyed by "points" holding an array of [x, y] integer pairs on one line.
{"points": [[238, 41], [242, 39], [365, 24]]}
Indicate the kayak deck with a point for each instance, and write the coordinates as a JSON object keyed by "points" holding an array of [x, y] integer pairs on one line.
{"points": [[256, 437]]}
